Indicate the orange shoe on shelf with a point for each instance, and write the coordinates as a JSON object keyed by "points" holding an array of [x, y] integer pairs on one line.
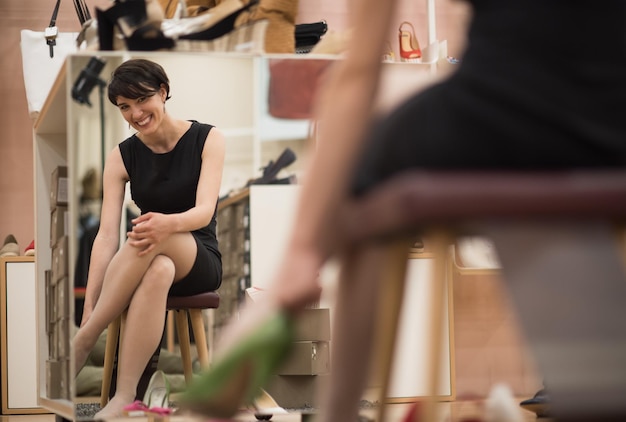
{"points": [[409, 47]]}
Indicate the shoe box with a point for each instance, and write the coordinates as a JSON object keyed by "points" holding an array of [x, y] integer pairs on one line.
{"points": [[296, 391], [58, 224], [298, 378], [307, 358], [59, 260], [57, 380], [233, 235], [58, 293], [296, 381], [58, 332], [59, 190]]}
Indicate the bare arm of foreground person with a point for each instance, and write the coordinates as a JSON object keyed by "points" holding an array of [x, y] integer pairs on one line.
{"points": [[343, 110]]}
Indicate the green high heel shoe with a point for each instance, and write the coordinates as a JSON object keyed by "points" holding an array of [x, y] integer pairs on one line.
{"points": [[238, 377]]}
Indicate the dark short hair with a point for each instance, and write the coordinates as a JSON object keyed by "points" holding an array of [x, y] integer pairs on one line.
{"points": [[137, 78]]}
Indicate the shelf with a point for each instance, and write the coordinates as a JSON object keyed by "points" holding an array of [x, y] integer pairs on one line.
{"points": [[52, 118]]}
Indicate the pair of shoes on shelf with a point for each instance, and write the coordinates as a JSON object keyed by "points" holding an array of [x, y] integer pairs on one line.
{"points": [[237, 378], [156, 399], [409, 46], [9, 247], [139, 23]]}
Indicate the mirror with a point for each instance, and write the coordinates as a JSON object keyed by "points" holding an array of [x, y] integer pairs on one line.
{"points": [[232, 92]]}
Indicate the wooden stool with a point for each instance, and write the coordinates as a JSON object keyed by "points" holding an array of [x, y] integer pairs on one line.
{"points": [[440, 205], [184, 307]]}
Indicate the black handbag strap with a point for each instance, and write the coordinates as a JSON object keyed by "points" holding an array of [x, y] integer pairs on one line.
{"points": [[82, 11], [55, 12], [52, 31]]}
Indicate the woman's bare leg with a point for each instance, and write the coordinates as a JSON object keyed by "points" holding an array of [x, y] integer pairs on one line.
{"points": [[123, 276], [142, 333]]}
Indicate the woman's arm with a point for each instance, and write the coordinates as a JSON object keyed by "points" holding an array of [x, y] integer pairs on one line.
{"points": [[151, 228], [208, 185], [107, 240], [344, 108]]}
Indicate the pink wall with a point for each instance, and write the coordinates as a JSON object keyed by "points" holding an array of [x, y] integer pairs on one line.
{"points": [[451, 18], [16, 151], [16, 162]]}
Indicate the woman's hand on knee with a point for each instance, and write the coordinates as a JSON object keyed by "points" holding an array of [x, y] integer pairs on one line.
{"points": [[148, 231]]}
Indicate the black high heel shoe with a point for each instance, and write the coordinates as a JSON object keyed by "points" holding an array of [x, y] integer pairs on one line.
{"points": [[140, 31], [221, 27]]}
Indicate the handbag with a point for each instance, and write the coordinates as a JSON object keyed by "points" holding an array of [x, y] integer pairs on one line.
{"points": [[43, 54]]}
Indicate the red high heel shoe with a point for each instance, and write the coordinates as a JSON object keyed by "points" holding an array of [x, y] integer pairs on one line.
{"points": [[409, 47]]}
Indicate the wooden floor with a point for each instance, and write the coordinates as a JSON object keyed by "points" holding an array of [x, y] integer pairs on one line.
{"points": [[448, 412]]}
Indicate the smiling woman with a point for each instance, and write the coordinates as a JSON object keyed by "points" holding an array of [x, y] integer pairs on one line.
{"points": [[174, 167]]}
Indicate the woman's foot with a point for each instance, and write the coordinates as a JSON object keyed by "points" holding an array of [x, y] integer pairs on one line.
{"points": [[115, 407], [81, 352]]}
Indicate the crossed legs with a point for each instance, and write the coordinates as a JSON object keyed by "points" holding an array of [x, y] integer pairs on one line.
{"points": [[140, 284]]}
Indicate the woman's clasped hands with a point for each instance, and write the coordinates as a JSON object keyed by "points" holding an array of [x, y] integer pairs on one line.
{"points": [[149, 230]]}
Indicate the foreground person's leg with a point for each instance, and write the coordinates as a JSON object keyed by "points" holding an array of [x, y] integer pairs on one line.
{"points": [[567, 282]]}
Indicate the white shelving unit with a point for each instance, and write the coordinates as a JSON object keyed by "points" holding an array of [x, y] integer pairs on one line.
{"points": [[19, 336]]}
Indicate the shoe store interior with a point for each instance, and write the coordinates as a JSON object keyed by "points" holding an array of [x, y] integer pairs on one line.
{"points": [[270, 288]]}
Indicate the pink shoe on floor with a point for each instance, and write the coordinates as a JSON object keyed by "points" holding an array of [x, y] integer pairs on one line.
{"points": [[138, 408], [156, 399]]}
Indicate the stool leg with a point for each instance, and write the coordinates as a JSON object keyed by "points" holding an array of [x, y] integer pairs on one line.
{"points": [[182, 327], [391, 292], [109, 356], [170, 331], [441, 241], [197, 325]]}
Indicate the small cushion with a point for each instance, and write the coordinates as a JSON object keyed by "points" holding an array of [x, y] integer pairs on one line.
{"points": [[200, 301]]}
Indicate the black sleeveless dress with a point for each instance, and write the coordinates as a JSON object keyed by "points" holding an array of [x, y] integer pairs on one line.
{"points": [[542, 85], [166, 183]]}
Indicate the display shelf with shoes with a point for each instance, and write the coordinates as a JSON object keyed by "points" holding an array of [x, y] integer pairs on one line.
{"points": [[9, 247]]}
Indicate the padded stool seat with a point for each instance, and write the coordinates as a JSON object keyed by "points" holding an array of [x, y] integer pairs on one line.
{"points": [[185, 308], [443, 204]]}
